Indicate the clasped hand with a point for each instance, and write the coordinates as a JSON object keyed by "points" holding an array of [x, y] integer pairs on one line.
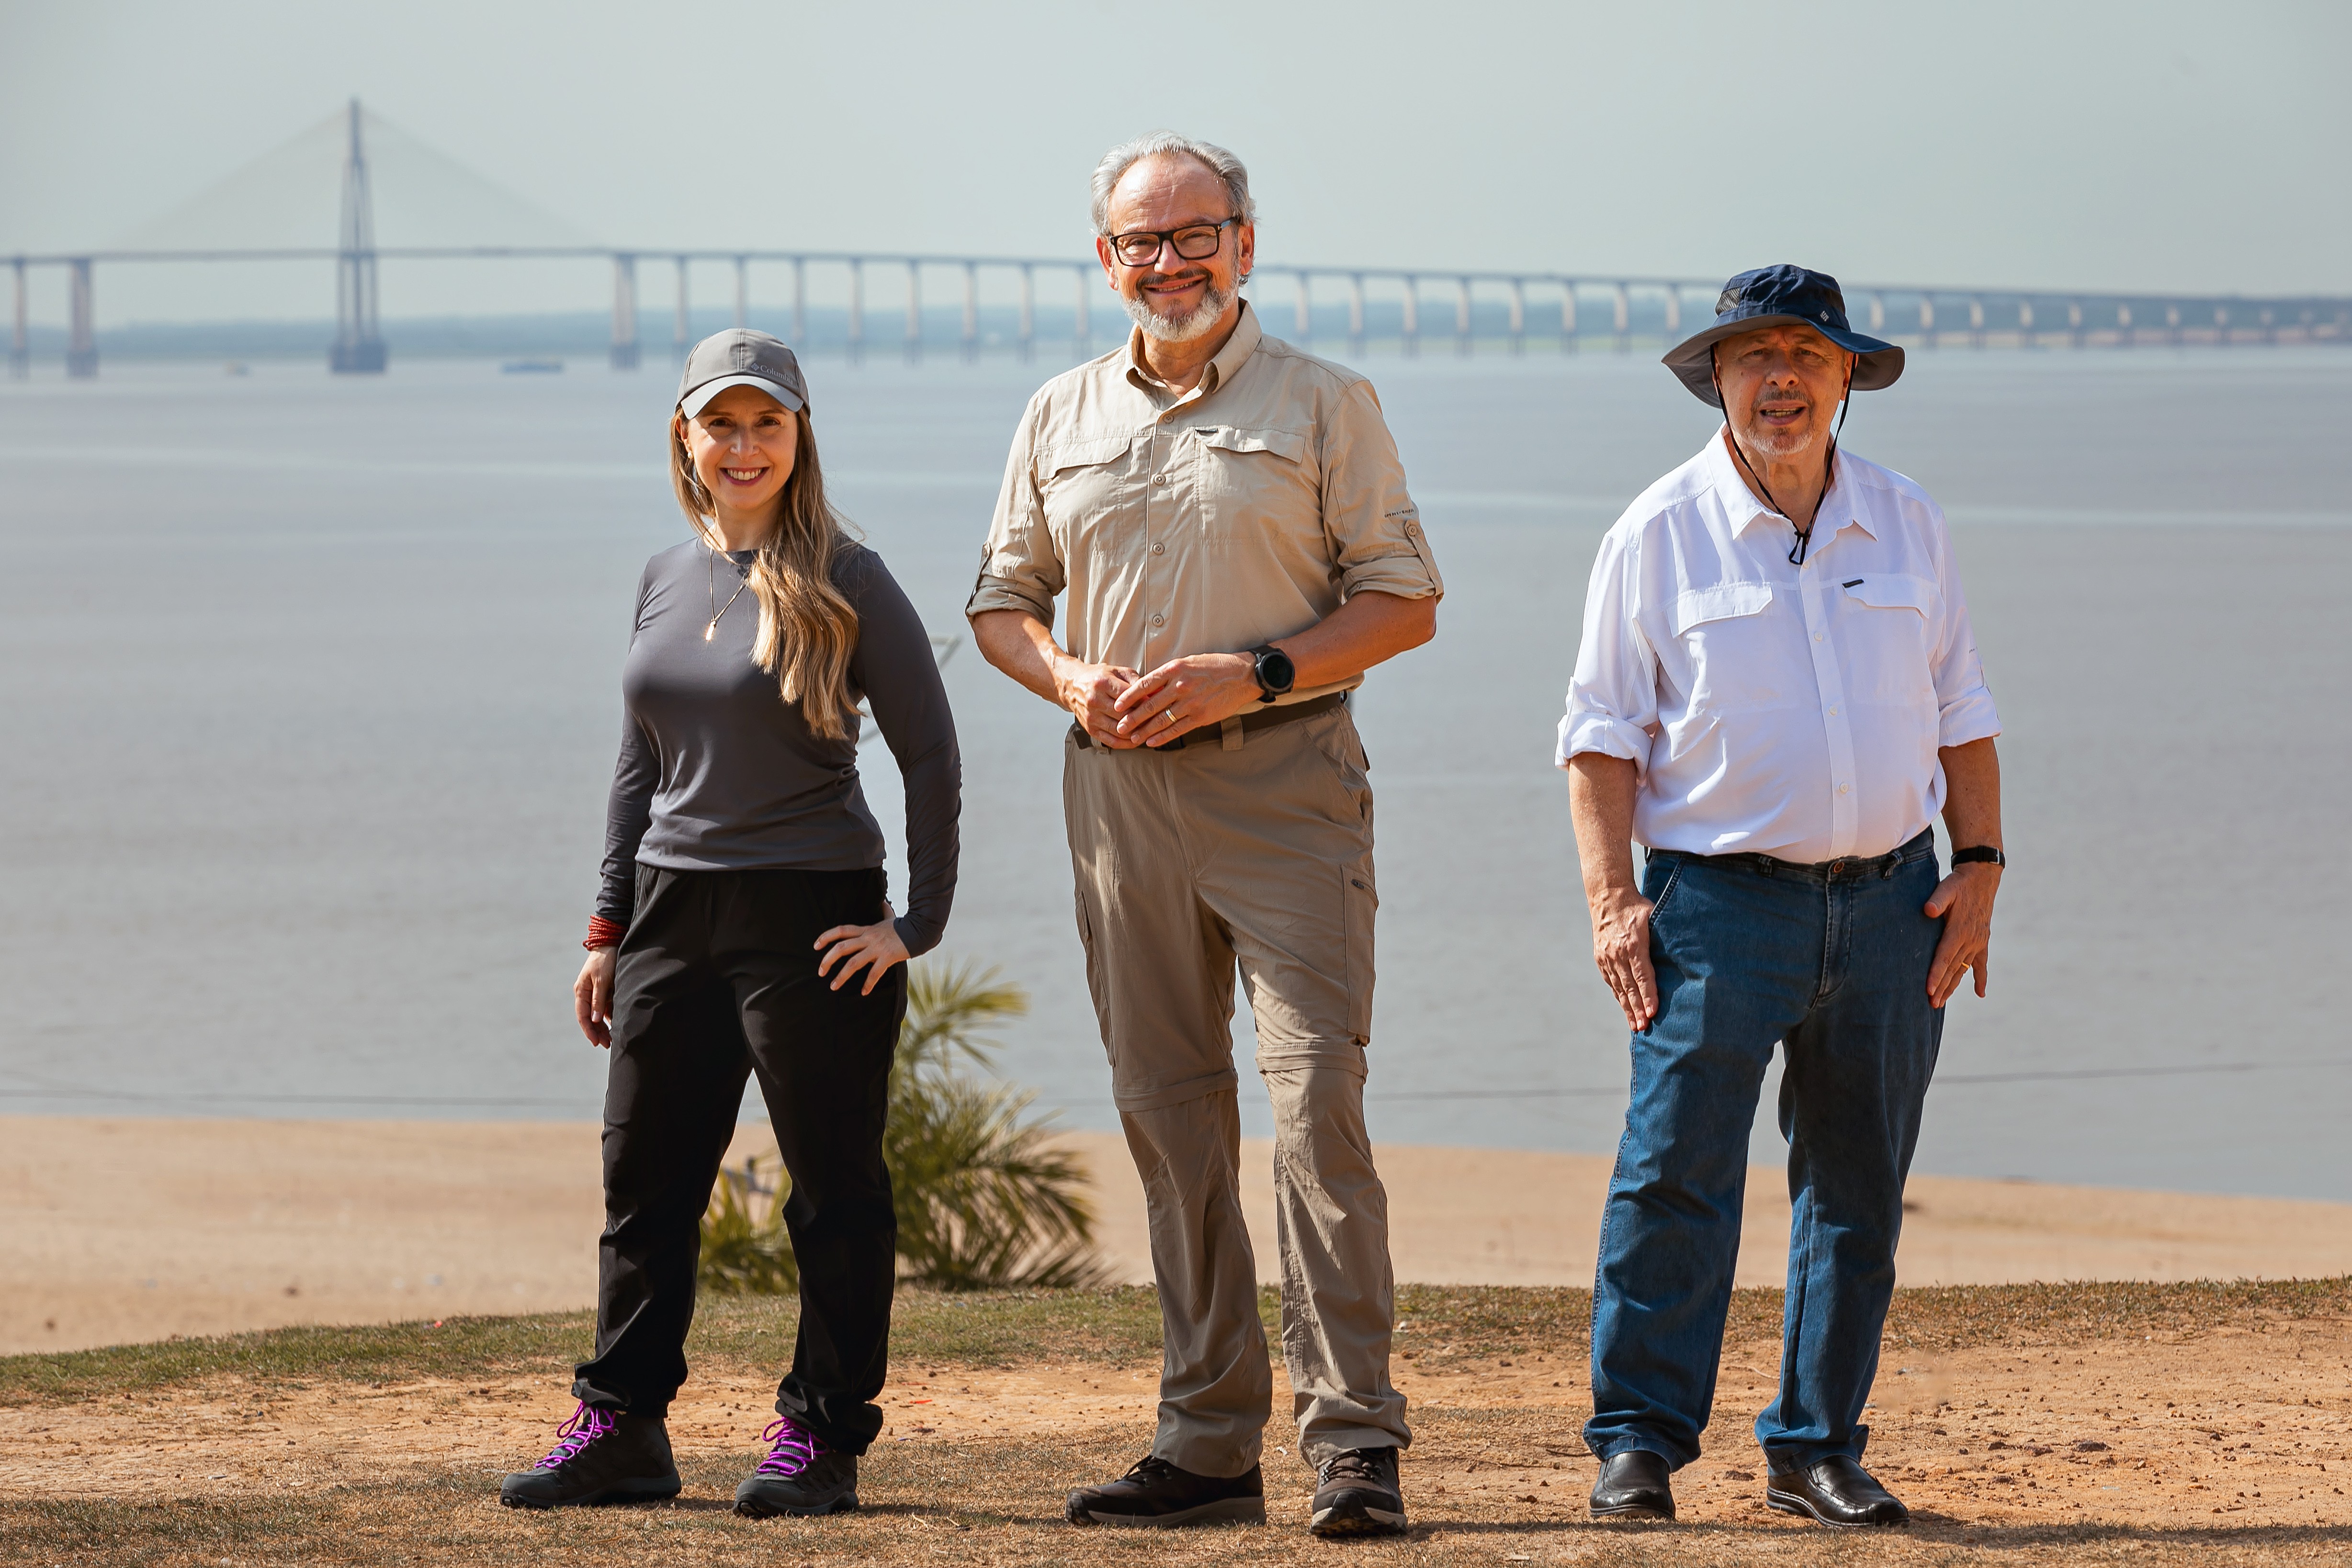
{"points": [[1122, 710]]}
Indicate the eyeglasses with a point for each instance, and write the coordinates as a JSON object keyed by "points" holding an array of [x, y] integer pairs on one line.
{"points": [[1140, 247]]}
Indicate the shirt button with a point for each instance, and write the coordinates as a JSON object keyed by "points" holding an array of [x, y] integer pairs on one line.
{"points": [[1159, 621], [1159, 550], [1159, 479], [1844, 788], [1412, 528], [1833, 713], [1817, 637]]}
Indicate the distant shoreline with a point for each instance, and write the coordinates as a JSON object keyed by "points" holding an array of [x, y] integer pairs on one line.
{"points": [[583, 339], [125, 1228]]}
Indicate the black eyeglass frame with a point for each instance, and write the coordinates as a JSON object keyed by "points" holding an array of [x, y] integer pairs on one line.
{"points": [[1164, 239]]}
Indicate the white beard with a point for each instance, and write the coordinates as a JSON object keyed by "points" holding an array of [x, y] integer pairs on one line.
{"points": [[1197, 322], [1765, 442]]}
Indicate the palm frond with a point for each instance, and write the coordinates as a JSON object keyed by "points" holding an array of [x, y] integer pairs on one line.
{"points": [[950, 1010], [745, 1254], [984, 1198]]}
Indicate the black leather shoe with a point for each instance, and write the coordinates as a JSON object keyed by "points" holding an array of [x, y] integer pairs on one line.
{"points": [[1356, 1493], [599, 1456], [1633, 1485], [1836, 1490], [1156, 1495]]}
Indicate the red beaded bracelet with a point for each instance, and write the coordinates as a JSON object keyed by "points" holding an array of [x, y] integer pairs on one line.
{"points": [[603, 933]]}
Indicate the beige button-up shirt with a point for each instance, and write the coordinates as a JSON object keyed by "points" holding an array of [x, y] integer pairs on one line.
{"points": [[1246, 509]]}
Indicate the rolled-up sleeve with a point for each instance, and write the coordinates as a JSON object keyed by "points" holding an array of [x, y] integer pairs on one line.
{"points": [[1612, 698], [1377, 542], [1964, 708], [1020, 567]]}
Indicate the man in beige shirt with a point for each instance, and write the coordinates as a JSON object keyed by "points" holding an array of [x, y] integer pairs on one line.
{"points": [[1229, 522]]}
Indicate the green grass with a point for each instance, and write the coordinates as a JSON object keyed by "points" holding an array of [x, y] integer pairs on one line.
{"points": [[966, 1329], [1439, 1325]]}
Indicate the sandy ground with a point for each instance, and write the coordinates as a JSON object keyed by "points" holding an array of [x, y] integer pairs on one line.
{"points": [[2159, 1433], [121, 1229]]}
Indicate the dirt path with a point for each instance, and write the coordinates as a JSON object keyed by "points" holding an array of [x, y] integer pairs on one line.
{"points": [[2163, 1433]]}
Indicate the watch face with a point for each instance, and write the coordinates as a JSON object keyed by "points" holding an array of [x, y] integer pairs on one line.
{"points": [[1277, 671]]}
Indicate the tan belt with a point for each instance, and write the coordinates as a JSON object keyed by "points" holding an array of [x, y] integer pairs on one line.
{"points": [[1230, 732]]}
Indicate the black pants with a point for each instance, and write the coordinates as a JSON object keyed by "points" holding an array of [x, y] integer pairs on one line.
{"points": [[717, 980]]}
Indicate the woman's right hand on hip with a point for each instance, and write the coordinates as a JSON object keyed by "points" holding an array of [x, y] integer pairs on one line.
{"points": [[591, 996]]}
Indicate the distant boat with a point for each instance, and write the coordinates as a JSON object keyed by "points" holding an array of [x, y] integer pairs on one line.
{"points": [[532, 367]]}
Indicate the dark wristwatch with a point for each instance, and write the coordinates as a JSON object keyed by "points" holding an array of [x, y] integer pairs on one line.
{"points": [[1276, 674], [1980, 852]]}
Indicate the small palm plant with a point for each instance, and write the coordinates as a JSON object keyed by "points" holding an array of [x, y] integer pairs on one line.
{"points": [[744, 1254], [984, 1198]]}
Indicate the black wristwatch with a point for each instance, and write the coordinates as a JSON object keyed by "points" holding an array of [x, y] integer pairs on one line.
{"points": [[1276, 674], [1980, 852]]}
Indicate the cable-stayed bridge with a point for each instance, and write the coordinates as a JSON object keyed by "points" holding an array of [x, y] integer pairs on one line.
{"points": [[345, 174]]}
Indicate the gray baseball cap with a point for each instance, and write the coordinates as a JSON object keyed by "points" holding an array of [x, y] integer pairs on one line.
{"points": [[739, 357]]}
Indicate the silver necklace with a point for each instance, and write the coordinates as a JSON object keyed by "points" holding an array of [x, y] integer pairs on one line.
{"points": [[716, 609]]}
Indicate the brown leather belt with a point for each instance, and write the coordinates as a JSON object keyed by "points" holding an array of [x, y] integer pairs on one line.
{"points": [[1214, 733]]}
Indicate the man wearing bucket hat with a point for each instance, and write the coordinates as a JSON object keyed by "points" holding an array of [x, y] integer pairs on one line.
{"points": [[1777, 692]]}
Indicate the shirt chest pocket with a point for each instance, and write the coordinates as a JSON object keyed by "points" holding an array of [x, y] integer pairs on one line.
{"points": [[1246, 481], [1887, 631], [1729, 639], [1084, 480]]}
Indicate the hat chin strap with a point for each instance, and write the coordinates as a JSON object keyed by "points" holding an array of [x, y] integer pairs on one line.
{"points": [[1798, 552]]}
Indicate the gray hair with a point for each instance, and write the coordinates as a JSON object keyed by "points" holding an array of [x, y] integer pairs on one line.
{"points": [[1127, 154]]}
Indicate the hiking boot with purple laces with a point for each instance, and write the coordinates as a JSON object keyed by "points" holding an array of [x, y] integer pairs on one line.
{"points": [[801, 1476], [600, 1456]]}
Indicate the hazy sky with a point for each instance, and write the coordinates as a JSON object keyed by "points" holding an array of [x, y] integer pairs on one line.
{"points": [[2152, 146]]}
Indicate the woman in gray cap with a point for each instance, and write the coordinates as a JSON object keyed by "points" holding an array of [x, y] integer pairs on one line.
{"points": [[744, 927]]}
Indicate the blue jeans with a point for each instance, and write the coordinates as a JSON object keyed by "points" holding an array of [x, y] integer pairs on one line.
{"points": [[1831, 961]]}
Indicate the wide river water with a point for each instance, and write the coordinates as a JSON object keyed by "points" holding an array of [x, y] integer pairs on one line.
{"points": [[307, 706]]}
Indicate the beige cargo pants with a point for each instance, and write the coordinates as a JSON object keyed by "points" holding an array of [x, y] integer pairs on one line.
{"points": [[1255, 852]]}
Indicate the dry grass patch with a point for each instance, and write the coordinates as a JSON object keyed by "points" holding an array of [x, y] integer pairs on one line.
{"points": [[2088, 1424]]}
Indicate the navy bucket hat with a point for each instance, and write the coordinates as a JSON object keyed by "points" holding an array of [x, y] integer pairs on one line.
{"points": [[1779, 296]]}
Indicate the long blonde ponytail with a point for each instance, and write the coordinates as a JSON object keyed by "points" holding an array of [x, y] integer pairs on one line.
{"points": [[808, 628]]}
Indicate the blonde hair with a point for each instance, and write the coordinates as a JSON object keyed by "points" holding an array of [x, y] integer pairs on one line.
{"points": [[808, 628]]}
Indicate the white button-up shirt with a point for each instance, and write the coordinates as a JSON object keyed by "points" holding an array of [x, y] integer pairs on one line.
{"points": [[1794, 711]]}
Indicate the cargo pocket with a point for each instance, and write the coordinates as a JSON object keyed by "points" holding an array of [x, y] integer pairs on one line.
{"points": [[1336, 739], [1890, 638], [1731, 643], [1242, 477], [1360, 901], [1095, 986]]}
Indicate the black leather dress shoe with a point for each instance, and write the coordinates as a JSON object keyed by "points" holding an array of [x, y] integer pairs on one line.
{"points": [[1633, 1485], [1156, 1495], [1835, 1491]]}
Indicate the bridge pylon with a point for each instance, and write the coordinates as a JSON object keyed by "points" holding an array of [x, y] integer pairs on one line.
{"points": [[359, 346]]}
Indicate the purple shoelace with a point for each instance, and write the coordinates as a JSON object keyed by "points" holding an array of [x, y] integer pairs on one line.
{"points": [[795, 1448], [587, 1425]]}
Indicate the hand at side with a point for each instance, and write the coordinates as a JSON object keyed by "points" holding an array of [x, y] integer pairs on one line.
{"points": [[1963, 901], [591, 996]]}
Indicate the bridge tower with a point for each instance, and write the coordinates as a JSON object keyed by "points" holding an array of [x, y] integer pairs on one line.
{"points": [[359, 347]]}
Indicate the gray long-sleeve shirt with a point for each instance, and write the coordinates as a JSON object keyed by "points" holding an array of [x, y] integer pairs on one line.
{"points": [[718, 773]]}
